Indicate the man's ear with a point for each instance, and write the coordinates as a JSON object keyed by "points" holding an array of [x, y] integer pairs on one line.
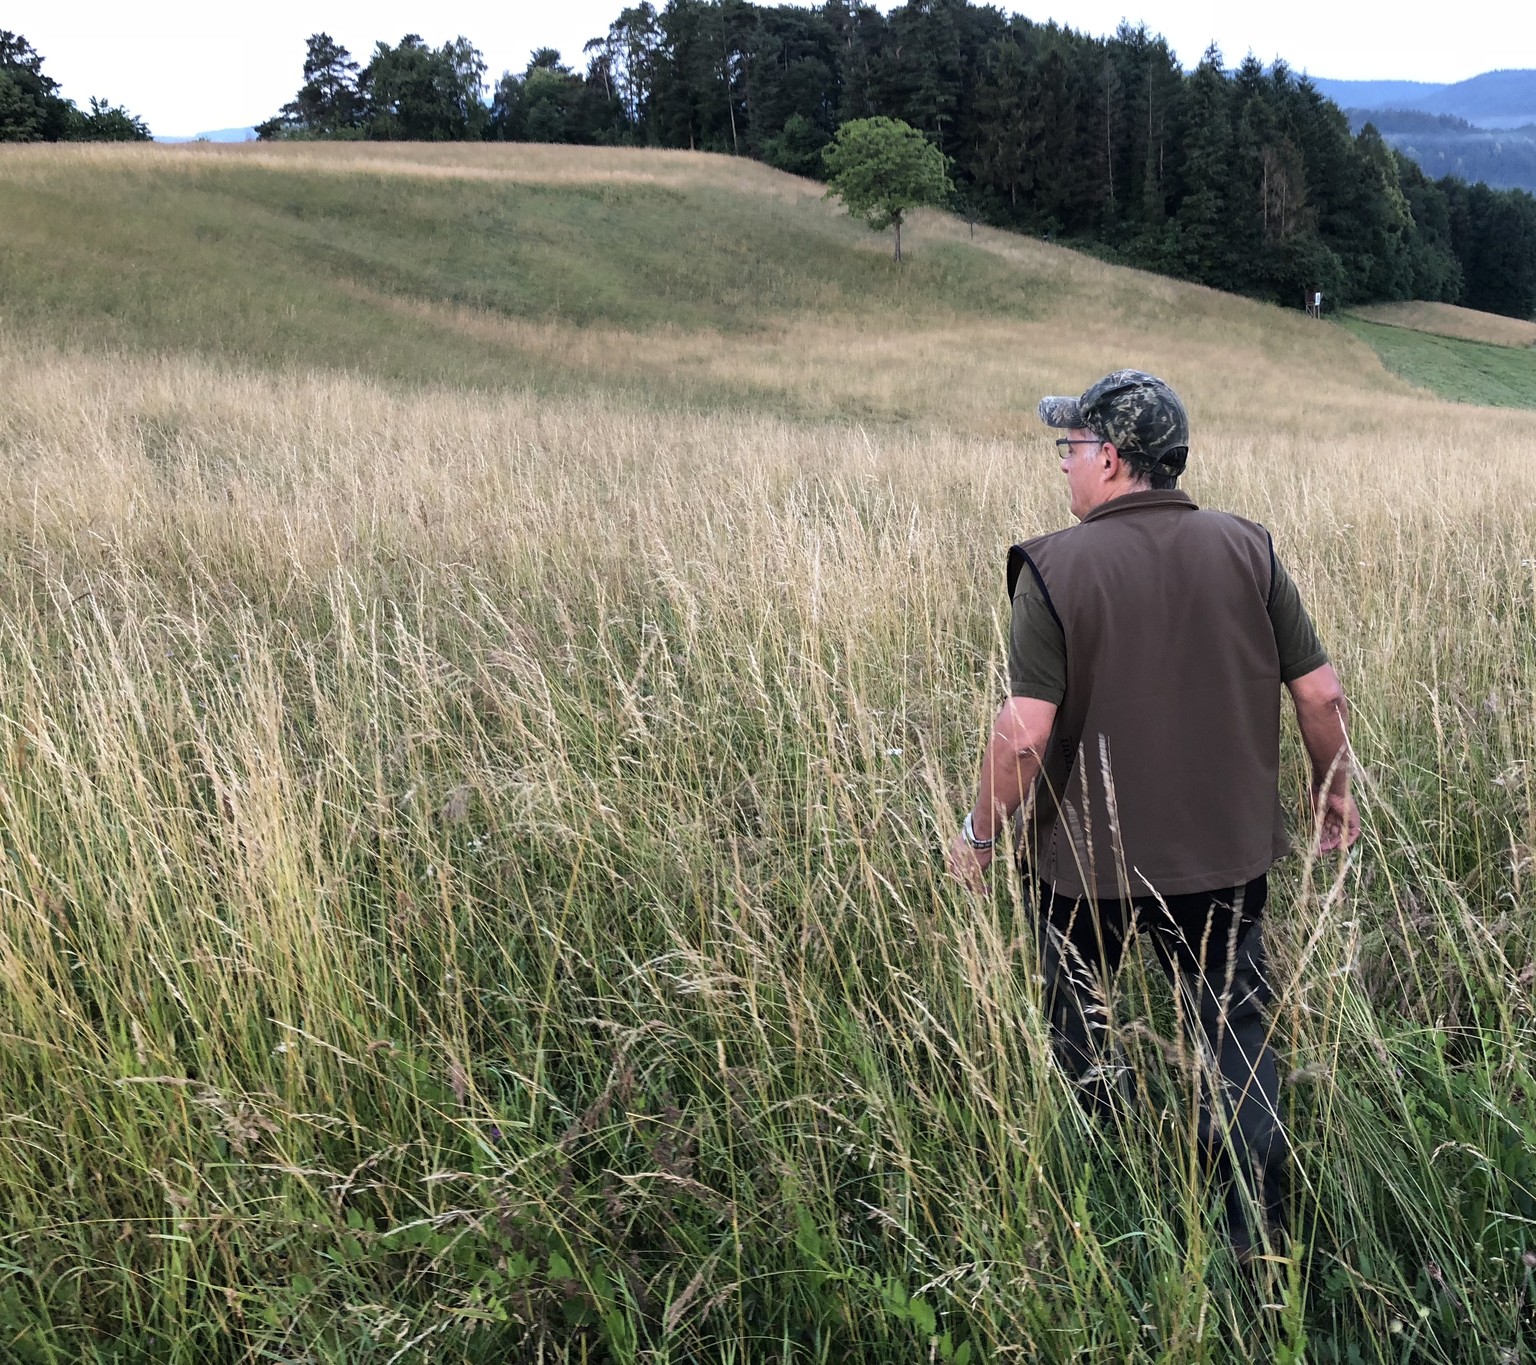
{"points": [[1112, 459]]}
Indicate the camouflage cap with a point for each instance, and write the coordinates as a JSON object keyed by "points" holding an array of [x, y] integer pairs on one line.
{"points": [[1136, 411]]}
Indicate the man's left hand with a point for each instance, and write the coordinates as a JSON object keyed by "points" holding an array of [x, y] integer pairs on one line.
{"points": [[969, 865]]}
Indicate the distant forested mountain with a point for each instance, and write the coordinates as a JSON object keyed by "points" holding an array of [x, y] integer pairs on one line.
{"points": [[1375, 94], [1496, 99], [1249, 180], [1444, 145], [1478, 129]]}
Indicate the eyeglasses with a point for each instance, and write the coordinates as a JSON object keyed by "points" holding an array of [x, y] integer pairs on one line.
{"points": [[1080, 441]]}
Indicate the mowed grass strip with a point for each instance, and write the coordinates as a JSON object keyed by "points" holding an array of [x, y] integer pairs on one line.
{"points": [[1446, 319], [1462, 371]]}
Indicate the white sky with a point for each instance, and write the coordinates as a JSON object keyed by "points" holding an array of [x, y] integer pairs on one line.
{"points": [[187, 68]]}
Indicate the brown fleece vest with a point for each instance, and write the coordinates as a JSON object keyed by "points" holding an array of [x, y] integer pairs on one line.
{"points": [[1163, 770]]}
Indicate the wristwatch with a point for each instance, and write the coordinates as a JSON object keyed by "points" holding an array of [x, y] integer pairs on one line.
{"points": [[968, 833]]}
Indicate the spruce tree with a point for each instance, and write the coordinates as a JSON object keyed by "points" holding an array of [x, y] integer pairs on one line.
{"points": [[1204, 248]]}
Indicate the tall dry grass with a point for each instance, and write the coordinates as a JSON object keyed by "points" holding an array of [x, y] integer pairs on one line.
{"points": [[472, 890], [520, 162]]}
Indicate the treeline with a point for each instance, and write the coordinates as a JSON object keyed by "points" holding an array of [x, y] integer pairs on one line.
{"points": [[1247, 180], [32, 110]]}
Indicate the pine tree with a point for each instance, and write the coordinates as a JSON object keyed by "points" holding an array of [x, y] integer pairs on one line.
{"points": [[327, 102]]}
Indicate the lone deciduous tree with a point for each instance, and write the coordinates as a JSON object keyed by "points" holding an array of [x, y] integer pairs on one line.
{"points": [[881, 167]]}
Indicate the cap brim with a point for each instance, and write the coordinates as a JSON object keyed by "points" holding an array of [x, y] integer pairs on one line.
{"points": [[1061, 412]]}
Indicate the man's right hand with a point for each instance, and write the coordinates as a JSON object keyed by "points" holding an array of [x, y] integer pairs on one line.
{"points": [[1320, 714], [968, 865], [1340, 819]]}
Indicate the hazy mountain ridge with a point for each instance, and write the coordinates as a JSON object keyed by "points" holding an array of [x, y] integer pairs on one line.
{"points": [[1483, 128], [1495, 99], [1375, 94], [246, 134]]}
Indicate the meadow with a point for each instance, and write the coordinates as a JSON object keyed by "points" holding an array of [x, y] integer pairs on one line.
{"points": [[493, 642]]}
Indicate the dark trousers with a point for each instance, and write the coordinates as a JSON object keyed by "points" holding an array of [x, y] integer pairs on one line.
{"points": [[1211, 946]]}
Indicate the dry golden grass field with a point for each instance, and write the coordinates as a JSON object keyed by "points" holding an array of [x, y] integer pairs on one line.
{"points": [[480, 713]]}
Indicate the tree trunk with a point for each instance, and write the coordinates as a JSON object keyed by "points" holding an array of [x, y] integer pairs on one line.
{"points": [[730, 108], [1109, 134], [896, 223]]}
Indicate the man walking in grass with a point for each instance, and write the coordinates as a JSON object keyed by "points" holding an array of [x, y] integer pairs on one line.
{"points": [[1148, 648]]}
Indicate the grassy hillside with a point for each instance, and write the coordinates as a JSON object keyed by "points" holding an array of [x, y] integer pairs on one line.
{"points": [[286, 260], [537, 268], [300, 242], [492, 644]]}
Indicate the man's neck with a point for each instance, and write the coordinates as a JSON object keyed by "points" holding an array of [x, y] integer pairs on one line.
{"points": [[1119, 490]]}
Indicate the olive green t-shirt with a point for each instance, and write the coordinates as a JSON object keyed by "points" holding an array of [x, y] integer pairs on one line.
{"points": [[1037, 651]]}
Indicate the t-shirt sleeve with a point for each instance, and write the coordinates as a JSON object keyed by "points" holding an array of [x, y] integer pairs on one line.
{"points": [[1037, 650], [1295, 636]]}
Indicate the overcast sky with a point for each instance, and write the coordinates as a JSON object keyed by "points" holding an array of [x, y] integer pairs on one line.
{"points": [[188, 68]]}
